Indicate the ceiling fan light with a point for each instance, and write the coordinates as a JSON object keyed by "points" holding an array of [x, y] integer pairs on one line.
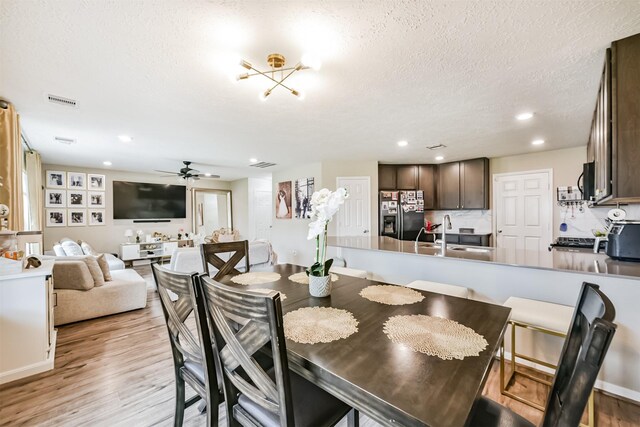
{"points": [[245, 64]]}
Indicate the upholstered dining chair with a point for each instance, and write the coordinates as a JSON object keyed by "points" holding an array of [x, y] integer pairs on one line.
{"points": [[585, 347], [237, 250], [193, 356], [254, 396]]}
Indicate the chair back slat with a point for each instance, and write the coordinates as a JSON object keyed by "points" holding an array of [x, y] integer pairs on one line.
{"points": [[238, 251], [587, 342], [260, 320]]}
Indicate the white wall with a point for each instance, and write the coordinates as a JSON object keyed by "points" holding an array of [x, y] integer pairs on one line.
{"points": [[107, 238], [240, 203]]}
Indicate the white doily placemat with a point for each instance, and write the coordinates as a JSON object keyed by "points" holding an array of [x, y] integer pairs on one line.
{"points": [[283, 296], [311, 325], [303, 279], [435, 336], [257, 278], [391, 295]]}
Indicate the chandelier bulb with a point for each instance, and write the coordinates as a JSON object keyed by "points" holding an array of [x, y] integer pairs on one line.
{"points": [[242, 76], [245, 64]]}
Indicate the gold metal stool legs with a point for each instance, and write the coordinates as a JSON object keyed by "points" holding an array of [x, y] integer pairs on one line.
{"points": [[504, 382]]}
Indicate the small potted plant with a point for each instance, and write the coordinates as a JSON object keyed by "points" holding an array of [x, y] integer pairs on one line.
{"points": [[324, 205]]}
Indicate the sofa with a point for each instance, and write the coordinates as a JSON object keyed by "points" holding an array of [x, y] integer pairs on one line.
{"points": [[189, 260], [83, 289], [68, 247]]}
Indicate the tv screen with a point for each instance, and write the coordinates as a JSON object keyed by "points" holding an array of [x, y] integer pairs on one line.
{"points": [[136, 200]]}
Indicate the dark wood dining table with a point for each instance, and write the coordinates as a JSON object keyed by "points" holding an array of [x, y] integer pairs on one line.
{"points": [[391, 383]]}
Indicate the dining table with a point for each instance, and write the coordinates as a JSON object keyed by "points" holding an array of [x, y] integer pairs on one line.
{"points": [[389, 382]]}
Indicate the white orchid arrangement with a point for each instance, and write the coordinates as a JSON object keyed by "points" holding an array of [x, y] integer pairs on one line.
{"points": [[324, 205]]}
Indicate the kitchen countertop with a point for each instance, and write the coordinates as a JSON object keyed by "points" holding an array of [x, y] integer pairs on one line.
{"points": [[577, 261]]}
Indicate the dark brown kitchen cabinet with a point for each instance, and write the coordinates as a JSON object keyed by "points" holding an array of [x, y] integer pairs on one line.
{"points": [[474, 184], [464, 185], [427, 183], [614, 140], [387, 177], [449, 186], [407, 177]]}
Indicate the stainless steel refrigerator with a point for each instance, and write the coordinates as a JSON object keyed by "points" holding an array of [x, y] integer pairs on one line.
{"points": [[401, 214]]}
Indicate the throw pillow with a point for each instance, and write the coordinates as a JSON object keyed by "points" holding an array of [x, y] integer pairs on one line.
{"points": [[95, 270], [104, 266], [59, 250], [87, 249], [71, 248]]}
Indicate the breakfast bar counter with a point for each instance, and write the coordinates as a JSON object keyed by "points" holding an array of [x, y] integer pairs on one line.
{"points": [[493, 275], [579, 261]]}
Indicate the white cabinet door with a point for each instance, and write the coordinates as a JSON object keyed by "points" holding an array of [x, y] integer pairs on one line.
{"points": [[168, 248], [129, 252]]}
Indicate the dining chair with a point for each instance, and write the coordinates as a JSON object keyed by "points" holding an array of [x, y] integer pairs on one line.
{"points": [[255, 396], [211, 256], [193, 356], [587, 343]]}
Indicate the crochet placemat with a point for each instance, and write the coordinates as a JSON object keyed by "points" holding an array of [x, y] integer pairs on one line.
{"points": [[435, 336], [311, 325], [257, 278], [303, 279], [283, 296], [391, 295]]}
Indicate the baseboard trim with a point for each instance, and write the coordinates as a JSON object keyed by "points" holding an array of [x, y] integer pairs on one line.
{"points": [[606, 387], [34, 368]]}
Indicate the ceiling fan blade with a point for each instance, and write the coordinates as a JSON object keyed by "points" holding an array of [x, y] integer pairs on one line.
{"points": [[171, 173], [210, 177]]}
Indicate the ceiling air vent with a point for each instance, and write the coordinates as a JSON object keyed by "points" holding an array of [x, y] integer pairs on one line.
{"points": [[262, 165], [436, 147], [62, 140], [55, 99]]}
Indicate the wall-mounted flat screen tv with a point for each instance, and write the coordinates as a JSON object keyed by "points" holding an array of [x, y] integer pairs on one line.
{"points": [[136, 200]]}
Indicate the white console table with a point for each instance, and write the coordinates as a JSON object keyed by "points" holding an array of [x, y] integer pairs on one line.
{"points": [[130, 252], [27, 336]]}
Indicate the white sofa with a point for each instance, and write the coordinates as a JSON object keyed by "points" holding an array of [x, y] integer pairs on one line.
{"points": [[114, 262], [189, 260]]}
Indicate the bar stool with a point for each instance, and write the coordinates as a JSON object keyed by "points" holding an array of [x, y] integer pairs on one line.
{"points": [[440, 288], [353, 272], [538, 316]]}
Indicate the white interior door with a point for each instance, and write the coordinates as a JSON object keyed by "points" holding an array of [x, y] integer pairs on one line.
{"points": [[354, 218], [262, 213], [523, 210]]}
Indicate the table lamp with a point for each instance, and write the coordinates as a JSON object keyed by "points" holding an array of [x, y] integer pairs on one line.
{"points": [[128, 234]]}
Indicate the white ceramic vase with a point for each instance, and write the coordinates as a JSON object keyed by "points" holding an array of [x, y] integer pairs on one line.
{"points": [[320, 286]]}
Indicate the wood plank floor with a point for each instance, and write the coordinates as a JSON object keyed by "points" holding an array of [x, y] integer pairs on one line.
{"points": [[117, 371]]}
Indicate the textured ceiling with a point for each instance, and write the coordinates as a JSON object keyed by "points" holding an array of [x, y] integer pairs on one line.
{"points": [[452, 73]]}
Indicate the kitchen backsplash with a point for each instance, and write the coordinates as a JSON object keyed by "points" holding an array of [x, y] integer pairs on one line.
{"points": [[480, 220], [581, 224]]}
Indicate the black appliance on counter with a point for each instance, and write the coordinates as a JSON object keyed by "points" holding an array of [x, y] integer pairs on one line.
{"points": [[401, 214], [623, 241]]}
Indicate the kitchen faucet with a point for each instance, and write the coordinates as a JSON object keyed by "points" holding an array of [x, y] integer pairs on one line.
{"points": [[446, 225], [418, 237]]}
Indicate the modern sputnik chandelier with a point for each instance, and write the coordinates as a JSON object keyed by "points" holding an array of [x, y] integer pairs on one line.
{"points": [[279, 73]]}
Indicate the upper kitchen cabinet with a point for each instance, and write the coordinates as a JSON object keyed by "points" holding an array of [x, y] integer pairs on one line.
{"points": [[474, 184], [614, 140], [407, 177], [464, 185], [387, 177], [449, 186], [427, 183]]}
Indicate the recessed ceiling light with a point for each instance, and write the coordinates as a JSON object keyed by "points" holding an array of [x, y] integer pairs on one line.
{"points": [[125, 138], [253, 160], [207, 174], [524, 116], [107, 163], [402, 143], [439, 158], [537, 142]]}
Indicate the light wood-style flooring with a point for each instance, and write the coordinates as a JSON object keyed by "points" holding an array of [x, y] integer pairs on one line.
{"points": [[118, 371]]}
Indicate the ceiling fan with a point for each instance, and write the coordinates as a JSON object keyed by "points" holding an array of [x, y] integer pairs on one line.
{"points": [[188, 173]]}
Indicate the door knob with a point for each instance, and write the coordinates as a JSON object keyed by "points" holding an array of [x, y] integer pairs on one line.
{"points": [[499, 231], [365, 231]]}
